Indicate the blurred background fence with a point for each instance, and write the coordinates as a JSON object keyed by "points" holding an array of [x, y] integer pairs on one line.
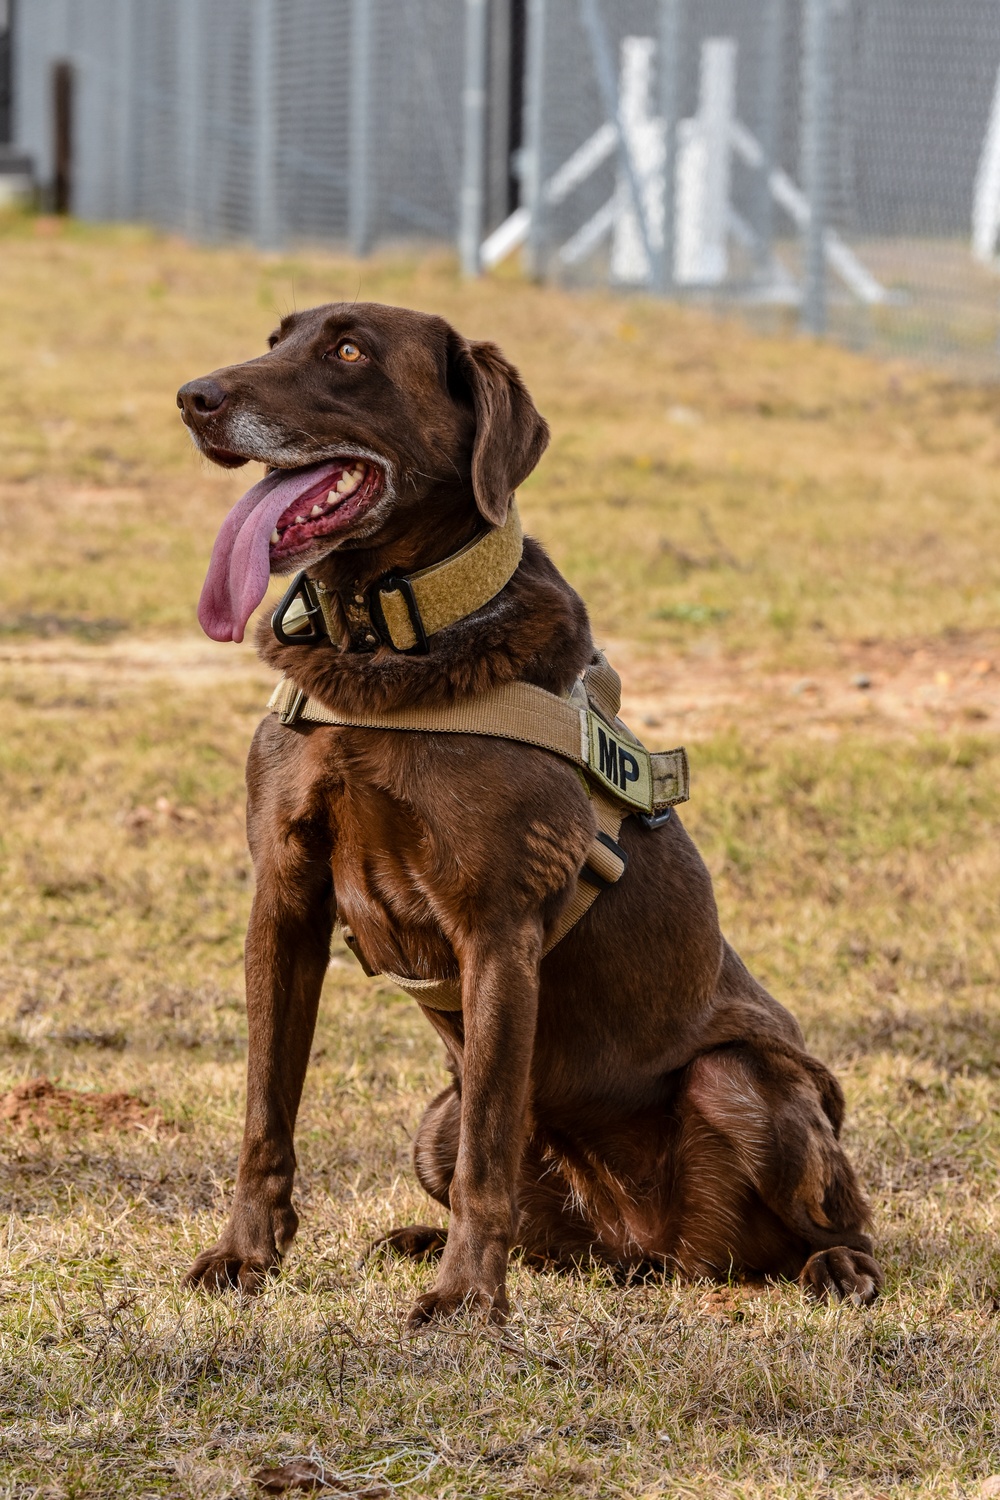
{"points": [[831, 161]]}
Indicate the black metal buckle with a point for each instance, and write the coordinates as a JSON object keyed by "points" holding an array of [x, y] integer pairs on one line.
{"points": [[656, 819], [591, 876], [302, 588], [395, 582]]}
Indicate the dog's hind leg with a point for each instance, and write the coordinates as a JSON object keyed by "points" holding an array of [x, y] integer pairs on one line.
{"points": [[552, 1231], [435, 1151], [763, 1185]]}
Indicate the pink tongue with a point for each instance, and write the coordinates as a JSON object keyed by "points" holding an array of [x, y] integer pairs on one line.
{"points": [[238, 573]]}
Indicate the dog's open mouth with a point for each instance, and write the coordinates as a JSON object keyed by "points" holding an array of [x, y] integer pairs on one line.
{"points": [[287, 513], [338, 495]]}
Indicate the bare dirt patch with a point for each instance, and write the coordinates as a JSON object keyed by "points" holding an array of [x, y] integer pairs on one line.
{"points": [[880, 687], [39, 1104]]}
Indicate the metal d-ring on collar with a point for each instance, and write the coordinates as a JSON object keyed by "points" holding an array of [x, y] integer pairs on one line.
{"points": [[299, 619]]}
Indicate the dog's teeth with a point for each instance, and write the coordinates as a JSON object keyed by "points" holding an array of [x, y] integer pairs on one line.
{"points": [[344, 484], [317, 510], [300, 520], [275, 538], [332, 498]]}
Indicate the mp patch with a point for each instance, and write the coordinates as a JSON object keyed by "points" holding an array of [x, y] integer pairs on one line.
{"points": [[619, 764]]}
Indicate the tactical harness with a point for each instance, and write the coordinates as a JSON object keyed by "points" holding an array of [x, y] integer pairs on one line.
{"points": [[621, 776]]}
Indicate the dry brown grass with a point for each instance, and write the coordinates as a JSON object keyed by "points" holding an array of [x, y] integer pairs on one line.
{"points": [[754, 523]]}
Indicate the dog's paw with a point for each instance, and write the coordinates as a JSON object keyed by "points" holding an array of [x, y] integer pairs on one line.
{"points": [[445, 1302], [413, 1241], [221, 1270], [849, 1275]]}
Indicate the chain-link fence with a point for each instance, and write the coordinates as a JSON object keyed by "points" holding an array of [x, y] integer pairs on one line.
{"points": [[831, 162], [269, 120], [840, 158]]}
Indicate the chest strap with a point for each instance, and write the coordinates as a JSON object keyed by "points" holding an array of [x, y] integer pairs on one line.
{"points": [[606, 751], [622, 776]]}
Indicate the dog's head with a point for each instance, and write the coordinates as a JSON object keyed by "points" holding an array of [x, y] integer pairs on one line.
{"points": [[364, 415]]}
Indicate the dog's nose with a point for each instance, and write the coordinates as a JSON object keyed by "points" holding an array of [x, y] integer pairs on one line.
{"points": [[200, 399]]}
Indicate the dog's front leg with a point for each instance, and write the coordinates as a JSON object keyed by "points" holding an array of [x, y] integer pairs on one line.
{"points": [[287, 952], [499, 1005]]}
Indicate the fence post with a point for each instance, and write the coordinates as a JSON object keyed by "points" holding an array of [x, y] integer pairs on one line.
{"points": [[533, 153], [772, 75], [670, 43], [359, 166], [266, 229], [816, 110], [470, 224]]}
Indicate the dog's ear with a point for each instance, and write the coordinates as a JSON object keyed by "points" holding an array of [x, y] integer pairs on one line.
{"points": [[511, 435]]}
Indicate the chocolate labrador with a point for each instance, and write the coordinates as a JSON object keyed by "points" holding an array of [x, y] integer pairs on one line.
{"points": [[634, 1098]]}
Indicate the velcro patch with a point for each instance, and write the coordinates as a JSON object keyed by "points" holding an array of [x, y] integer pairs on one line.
{"points": [[619, 764]]}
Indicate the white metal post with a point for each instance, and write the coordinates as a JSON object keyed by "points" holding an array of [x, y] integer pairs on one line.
{"points": [[607, 89], [671, 39], [533, 154], [816, 109], [266, 227], [359, 171], [470, 226]]}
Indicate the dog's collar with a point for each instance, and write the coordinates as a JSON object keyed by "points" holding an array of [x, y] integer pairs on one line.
{"points": [[403, 611]]}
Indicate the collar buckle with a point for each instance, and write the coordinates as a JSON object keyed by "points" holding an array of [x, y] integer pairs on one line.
{"points": [[396, 583], [298, 619]]}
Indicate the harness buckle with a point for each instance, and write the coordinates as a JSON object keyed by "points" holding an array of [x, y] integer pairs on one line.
{"points": [[289, 715], [656, 819], [396, 583], [293, 708], [611, 874], [298, 619]]}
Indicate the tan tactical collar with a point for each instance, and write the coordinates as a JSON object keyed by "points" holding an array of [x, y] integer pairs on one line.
{"points": [[403, 611]]}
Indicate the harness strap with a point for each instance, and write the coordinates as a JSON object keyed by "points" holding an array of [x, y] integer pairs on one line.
{"points": [[446, 994], [592, 738], [608, 752]]}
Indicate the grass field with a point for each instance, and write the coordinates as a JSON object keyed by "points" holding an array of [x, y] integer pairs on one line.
{"points": [[792, 555]]}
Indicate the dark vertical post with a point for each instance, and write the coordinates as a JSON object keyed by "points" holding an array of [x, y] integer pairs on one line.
{"points": [[62, 137], [515, 107], [816, 112], [671, 39], [6, 71]]}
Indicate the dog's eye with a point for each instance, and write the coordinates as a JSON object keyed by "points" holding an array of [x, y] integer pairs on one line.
{"points": [[349, 352]]}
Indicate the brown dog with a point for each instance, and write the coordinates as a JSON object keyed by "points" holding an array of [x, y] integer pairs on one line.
{"points": [[636, 1097]]}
